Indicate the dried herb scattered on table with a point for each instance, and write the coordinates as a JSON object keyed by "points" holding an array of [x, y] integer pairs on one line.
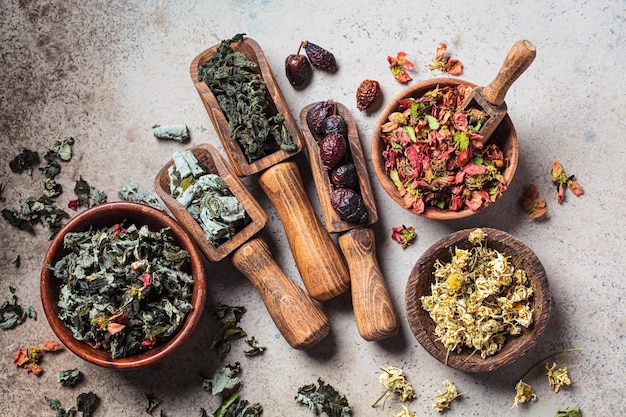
{"points": [[69, 377], [531, 205], [179, 133], [36, 210], [85, 404], [153, 402], [400, 66], [224, 380], [242, 95], [443, 400], [228, 319], [562, 180], [569, 412], [29, 358], [87, 195], [234, 406], [24, 161], [207, 198], [133, 192], [12, 314], [444, 63], [125, 288], [436, 157], [403, 235], [393, 380], [478, 298], [325, 397]]}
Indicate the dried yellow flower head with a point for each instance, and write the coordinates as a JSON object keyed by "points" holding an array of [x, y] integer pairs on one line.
{"points": [[404, 413], [477, 236], [557, 377], [393, 380], [523, 393], [442, 401]]}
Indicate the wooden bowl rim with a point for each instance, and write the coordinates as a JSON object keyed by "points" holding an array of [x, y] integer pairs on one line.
{"points": [[323, 185], [82, 222], [253, 208], [515, 347], [233, 151], [378, 146]]}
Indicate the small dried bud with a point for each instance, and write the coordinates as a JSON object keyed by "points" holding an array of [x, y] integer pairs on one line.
{"points": [[367, 94]]}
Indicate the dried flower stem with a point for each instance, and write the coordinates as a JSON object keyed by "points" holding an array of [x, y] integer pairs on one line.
{"points": [[548, 357]]}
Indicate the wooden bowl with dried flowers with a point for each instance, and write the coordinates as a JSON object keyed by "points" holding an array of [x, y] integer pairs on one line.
{"points": [[449, 173], [97, 305], [478, 300]]}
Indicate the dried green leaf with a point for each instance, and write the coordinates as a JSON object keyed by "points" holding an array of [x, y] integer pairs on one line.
{"points": [[325, 397], [569, 412], [61, 148], [69, 377], [255, 347], [131, 191], [24, 161], [17, 261], [223, 380], [179, 133], [153, 402], [12, 314], [86, 402]]}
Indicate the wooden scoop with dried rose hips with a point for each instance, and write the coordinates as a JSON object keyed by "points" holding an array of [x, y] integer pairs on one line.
{"points": [[348, 207]]}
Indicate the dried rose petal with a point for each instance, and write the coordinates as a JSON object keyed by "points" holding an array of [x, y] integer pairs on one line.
{"points": [[563, 181], [403, 235], [399, 67], [529, 203], [51, 346]]}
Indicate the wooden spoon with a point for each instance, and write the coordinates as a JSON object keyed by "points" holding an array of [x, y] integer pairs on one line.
{"points": [[319, 262], [299, 319], [374, 311]]}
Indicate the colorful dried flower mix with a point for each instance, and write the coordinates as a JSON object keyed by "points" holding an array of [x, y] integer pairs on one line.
{"points": [[562, 180], [531, 205], [478, 298], [125, 289], [399, 67], [436, 157], [29, 358], [444, 63], [403, 235]]}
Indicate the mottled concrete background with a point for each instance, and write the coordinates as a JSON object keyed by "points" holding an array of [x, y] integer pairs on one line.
{"points": [[104, 72]]}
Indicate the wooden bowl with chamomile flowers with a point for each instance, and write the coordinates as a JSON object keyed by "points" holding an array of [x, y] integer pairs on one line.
{"points": [[123, 285], [478, 300]]}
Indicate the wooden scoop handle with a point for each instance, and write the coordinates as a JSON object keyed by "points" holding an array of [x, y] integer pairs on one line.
{"points": [[375, 315], [519, 58], [319, 261], [296, 315]]}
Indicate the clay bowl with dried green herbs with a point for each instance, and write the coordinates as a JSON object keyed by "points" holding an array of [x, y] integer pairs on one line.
{"points": [[444, 194], [527, 311], [104, 217]]}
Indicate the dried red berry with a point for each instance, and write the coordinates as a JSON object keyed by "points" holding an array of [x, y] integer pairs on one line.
{"points": [[332, 149], [349, 205], [367, 94], [320, 58], [344, 176], [298, 69], [316, 115]]}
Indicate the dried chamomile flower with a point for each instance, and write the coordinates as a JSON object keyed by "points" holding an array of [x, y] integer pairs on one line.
{"points": [[443, 400], [404, 413], [478, 298], [557, 377], [523, 393], [393, 380]]}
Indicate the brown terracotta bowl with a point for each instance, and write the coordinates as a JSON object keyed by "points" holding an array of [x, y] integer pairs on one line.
{"points": [[423, 327], [505, 137], [109, 214]]}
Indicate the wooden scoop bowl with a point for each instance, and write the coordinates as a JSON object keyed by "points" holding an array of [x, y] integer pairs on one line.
{"points": [[374, 312], [491, 98], [296, 315], [319, 262]]}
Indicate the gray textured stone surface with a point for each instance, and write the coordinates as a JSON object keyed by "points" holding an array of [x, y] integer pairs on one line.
{"points": [[105, 72]]}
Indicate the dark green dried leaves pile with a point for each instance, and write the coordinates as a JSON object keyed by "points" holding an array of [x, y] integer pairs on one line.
{"points": [[124, 290], [242, 96]]}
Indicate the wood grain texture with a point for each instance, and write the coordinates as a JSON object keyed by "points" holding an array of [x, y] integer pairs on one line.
{"points": [[505, 137], [423, 326], [375, 314], [251, 49], [208, 156], [319, 262], [299, 319], [334, 223], [491, 98], [374, 311]]}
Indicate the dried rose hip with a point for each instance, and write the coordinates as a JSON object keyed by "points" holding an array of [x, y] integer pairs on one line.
{"points": [[334, 123], [344, 176], [349, 205], [332, 149], [320, 58], [316, 115], [298, 69], [367, 94]]}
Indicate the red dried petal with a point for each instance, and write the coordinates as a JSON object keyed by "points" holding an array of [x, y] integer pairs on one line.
{"points": [[575, 187], [51, 346], [441, 50], [33, 368], [21, 357], [114, 328], [404, 62], [146, 279], [454, 67]]}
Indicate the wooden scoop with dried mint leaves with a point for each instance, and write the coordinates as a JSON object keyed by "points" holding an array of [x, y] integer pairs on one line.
{"points": [[348, 206], [299, 319], [490, 99], [260, 135]]}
